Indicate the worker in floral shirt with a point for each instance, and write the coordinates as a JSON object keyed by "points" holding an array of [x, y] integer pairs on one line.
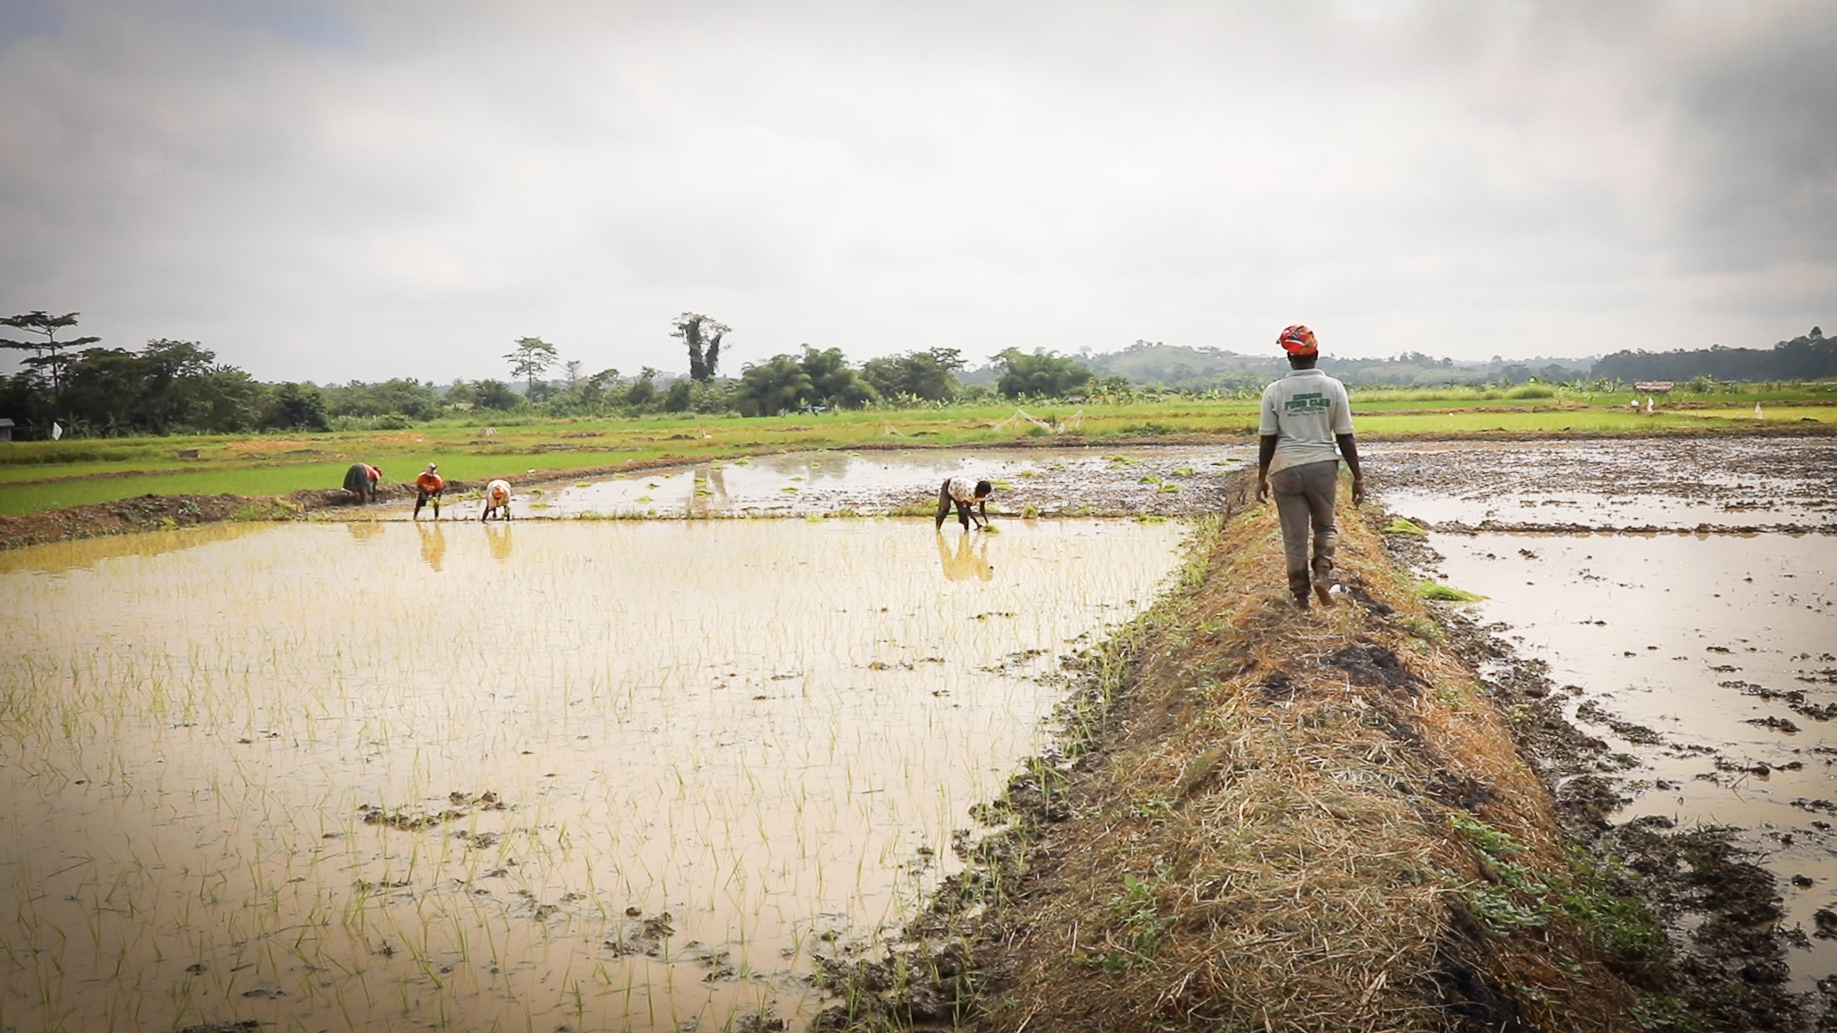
{"points": [[964, 493]]}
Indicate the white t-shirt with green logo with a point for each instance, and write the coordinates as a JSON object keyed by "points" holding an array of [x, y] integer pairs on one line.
{"points": [[1305, 409]]}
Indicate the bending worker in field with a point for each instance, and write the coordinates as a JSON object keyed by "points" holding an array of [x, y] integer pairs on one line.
{"points": [[428, 486], [497, 497], [361, 479], [964, 493], [1306, 426]]}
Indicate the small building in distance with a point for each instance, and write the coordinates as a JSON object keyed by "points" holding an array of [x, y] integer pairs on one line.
{"points": [[6, 429], [1654, 387]]}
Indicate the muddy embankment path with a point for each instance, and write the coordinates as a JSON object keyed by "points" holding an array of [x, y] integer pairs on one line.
{"points": [[1269, 819]]}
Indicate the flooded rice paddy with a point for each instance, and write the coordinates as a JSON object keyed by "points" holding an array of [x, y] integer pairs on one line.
{"points": [[1702, 647], [552, 774], [1046, 482]]}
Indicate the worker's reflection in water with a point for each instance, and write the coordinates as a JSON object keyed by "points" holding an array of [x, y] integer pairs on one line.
{"points": [[497, 536], [968, 562], [364, 530], [433, 544]]}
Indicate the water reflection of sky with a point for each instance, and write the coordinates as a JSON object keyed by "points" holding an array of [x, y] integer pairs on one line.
{"points": [[1676, 633]]}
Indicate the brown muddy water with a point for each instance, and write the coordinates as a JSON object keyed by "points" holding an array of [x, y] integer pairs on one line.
{"points": [[1704, 651], [553, 774]]}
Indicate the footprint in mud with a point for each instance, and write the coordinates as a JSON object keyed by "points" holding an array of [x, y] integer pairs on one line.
{"points": [[719, 963], [644, 936]]}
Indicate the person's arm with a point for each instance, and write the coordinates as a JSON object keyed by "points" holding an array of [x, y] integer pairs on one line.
{"points": [[1349, 447], [1266, 452]]}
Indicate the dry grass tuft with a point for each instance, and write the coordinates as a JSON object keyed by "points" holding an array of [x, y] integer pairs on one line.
{"points": [[1286, 825]]}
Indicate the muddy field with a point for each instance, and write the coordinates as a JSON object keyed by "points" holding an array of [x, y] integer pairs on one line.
{"points": [[1683, 597]]}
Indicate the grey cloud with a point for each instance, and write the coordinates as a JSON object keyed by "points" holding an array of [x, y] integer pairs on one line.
{"points": [[327, 190]]}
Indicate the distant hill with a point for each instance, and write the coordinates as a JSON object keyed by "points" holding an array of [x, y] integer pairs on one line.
{"points": [[1808, 357]]}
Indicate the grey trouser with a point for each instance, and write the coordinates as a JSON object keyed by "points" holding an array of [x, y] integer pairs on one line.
{"points": [[1304, 495]]}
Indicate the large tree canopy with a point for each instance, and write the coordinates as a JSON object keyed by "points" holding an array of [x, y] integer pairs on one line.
{"points": [[1044, 374], [46, 327], [928, 375], [788, 382], [531, 356], [703, 336]]}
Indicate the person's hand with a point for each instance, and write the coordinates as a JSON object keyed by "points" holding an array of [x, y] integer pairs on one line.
{"points": [[1358, 490], [1262, 489]]}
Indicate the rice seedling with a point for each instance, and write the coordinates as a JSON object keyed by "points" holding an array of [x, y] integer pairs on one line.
{"points": [[1443, 593], [347, 799]]}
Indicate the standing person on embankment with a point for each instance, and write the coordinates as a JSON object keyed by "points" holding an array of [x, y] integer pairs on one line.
{"points": [[1306, 426]]}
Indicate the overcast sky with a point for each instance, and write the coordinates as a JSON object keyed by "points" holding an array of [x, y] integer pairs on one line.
{"points": [[329, 191]]}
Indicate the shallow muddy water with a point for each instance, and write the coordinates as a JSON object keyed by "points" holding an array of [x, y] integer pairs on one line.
{"points": [[1674, 483], [613, 775], [1133, 480], [1706, 659]]}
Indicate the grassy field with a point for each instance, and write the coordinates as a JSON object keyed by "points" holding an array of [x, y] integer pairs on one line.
{"points": [[42, 475]]}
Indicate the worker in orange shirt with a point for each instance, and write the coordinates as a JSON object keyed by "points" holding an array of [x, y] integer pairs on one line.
{"points": [[361, 480], [428, 486]]}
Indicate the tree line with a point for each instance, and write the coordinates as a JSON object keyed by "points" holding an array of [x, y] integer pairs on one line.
{"points": [[1810, 356], [172, 386]]}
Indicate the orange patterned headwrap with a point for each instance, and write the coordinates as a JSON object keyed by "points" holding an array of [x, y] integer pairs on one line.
{"points": [[1298, 340]]}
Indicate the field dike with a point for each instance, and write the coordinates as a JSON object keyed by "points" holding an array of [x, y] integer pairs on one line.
{"points": [[1263, 819]]}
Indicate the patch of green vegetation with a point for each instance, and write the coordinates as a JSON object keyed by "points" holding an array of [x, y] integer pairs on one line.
{"points": [[1444, 594], [1426, 630], [1399, 525], [1589, 891], [1664, 1012], [1532, 391], [278, 509], [1138, 909]]}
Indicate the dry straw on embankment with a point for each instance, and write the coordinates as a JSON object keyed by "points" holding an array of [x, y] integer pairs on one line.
{"points": [[1293, 821]]}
